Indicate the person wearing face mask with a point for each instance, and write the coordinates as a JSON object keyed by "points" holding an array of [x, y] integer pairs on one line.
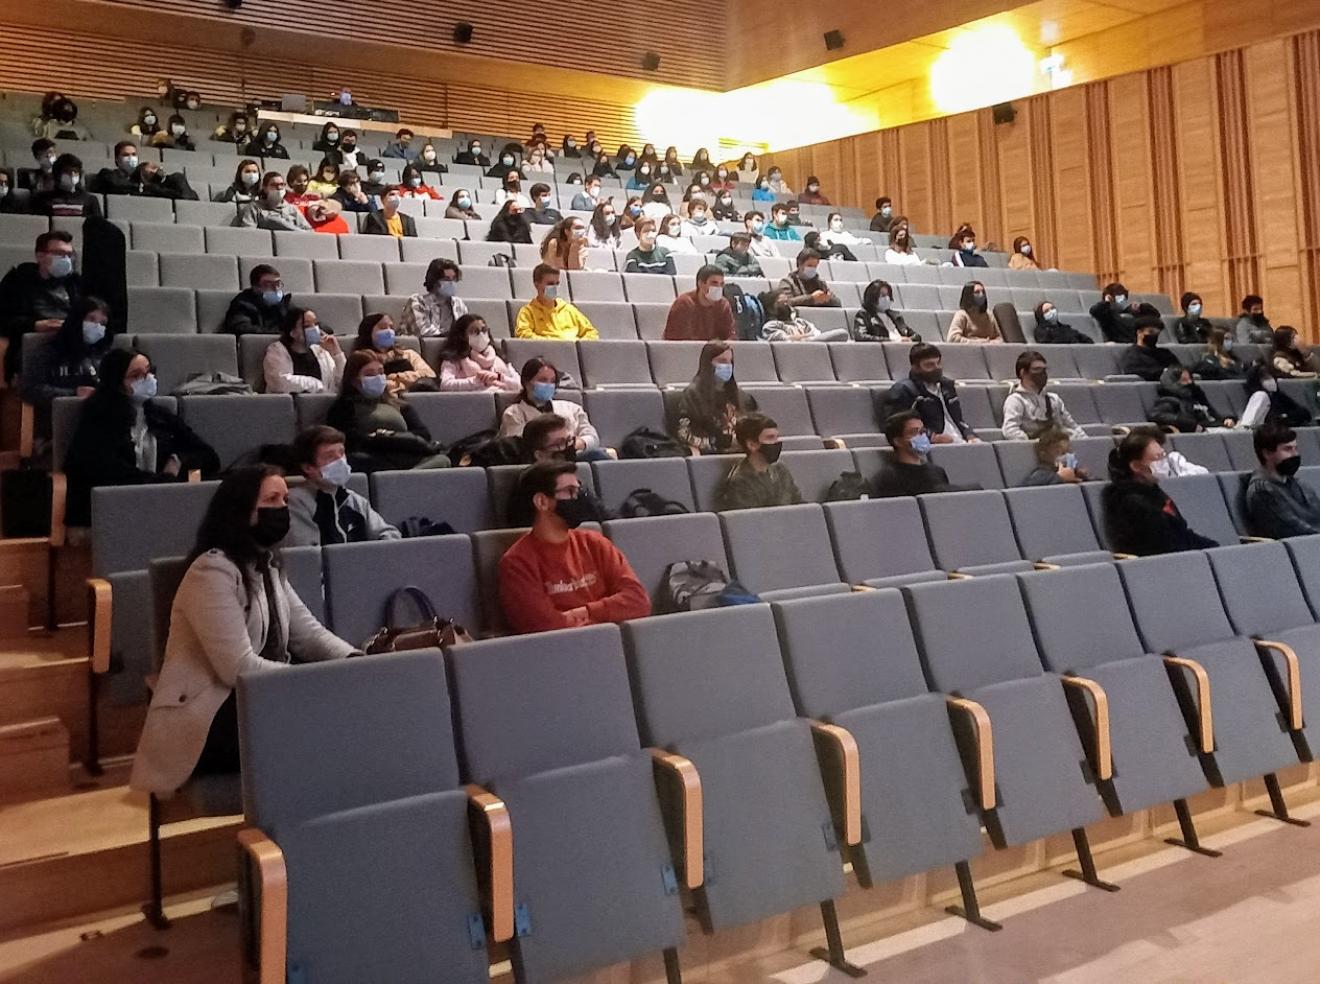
{"points": [[39, 178], [469, 362], [428, 161], [266, 143], [589, 197], [747, 169], [1291, 360], [931, 394], [506, 164], [794, 213], [123, 438], [565, 246], [175, 135], [631, 213], [263, 308], [963, 245], [641, 178], [548, 315], [1145, 358], [724, 210], [1051, 331], [1024, 255], [433, 312], [388, 220], [149, 180], [884, 214], [878, 320], [836, 251], [307, 358], [701, 314], [760, 479], [834, 234], [382, 432], [1055, 462], [1140, 518], [329, 139], [1276, 504], [605, 229], [655, 202], [9, 202], [412, 184], [325, 182], [270, 210], [712, 404], [68, 199], [38, 296], [401, 148], [539, 380], [974, 322], [761, 192], [461, 206], [348, 154], [234, 613], [374, 183], [543, 211], [405, 369], [1192, 328], [811, 193], [1253, 328], [776, 183], [71, 364], [602, 167], [510, 190], [474, 155], [762, 246], [510, 224], [1182, 406], [785, 324], [350, 196], [780, 228], [558, 576], [59, 120], [648, 256], [298, 186], [699, 222], [805, 286], [1219, 361], [901, 251], [908, 470], [536, 163], [245, 187], [1267, 403], [238, 130], [147, 125], [736, 259], [569, 148], [118, 180], [1029, 410], [1116, 315], [323, 510]]}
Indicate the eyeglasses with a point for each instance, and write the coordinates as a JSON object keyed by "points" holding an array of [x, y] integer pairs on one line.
{"points": [[271, 284]]}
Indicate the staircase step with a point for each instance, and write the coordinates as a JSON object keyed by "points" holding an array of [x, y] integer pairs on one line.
{"points": [[34, 758]]}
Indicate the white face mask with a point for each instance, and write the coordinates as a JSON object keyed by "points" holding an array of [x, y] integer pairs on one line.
{"points": [[836, 225], [479, 342], [714, 293]]}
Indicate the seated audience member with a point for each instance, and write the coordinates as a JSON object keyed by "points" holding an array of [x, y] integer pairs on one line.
{"points": [[510, 224], [236, 131], [646, 256], [428, 161], [655, 202], [736, 259], [547, 315], [9, 202], [558, 576], [974, 322], [324, 510], [724, 210], [176, 136], [762, 192], [543, 211], [405, 369], [701, 314], [1174, 464], [381, 431], [811, 193], [1139, 516], [434, 311], [1051, 331], [908, 470], [150, 180], [536, 163], [1192, 328], [699, 222], [244, 188], [778, 185], [511, 191], [39, 178], [1029, 411], [701, 161], [828, 251], [723, 180], [754, 223], [1219, 361], [1055, 462], [461, 206], [901, 251], [388, 220], [588, 198], [325, 182], [884, 214], [329, 138], [604, 229], [298, 187], [1291, 359], [75, 354], [748, 168], [712, 404], [834, 234], [602, 167], [375, 183], [1182, 405], [305, 359], [671, 236], [68, 199], [470, 363], [351, 197], [38, 296], [473, 155], [569, 148], [1253, 328], [1115, 316], [632, 213], [59, 121], [401, 147], [565, 246], [1267, 403], [780, 228], [932, 395], [805, 286], [539, 379], [550, 437], [117, 180], [785, 323], [261, 309], [1276, 503], [412, 184], [869, 323], [271, 211], [1024, 255], [347, 155], [266, 144], [641, 177], [147, 125], [964, 250], [234, 613], [759, 479], [1145, 358], [123, 439]]}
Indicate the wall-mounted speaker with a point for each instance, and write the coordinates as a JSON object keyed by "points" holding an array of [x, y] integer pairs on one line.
{"points": [[1004, 113], [463, 32], [833, 40], [651, 61]]}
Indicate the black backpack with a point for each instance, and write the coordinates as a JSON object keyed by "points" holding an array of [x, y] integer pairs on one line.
{"points": [[692, 585], [748, 314], [415, 526], [646, 443], [644, 502], [486, 448], [847, 487]]}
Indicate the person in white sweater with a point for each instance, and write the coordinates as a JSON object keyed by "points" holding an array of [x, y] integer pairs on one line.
{"points": [[901, 252], [469, 362], [539, 379], [1029, 410], [307, 358]]}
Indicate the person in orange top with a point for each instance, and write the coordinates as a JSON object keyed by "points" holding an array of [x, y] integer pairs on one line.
{"points": [[558, 576], [325, 216], [412, 185]]}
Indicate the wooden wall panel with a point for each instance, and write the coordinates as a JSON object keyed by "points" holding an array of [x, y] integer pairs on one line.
{"points": [[1306, 83], [1076, 221], [1199, 169], [966, 163]]}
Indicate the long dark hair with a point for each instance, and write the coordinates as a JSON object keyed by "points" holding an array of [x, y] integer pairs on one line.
{"points": [[871, 296], [110, 401], [530, 369], [706, 397], [1129, 449], [227, 525], [455, 345], [966, 299], [68, 341]]}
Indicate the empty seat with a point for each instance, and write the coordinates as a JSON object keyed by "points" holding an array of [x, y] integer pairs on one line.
{"points": [[1241, 451], [616, 363], [613, 320], [199, 271], [374, 249], [648, 288], [781, 552], [859, 363], [969, 465], [1094, 361], [666, 477], [616, 413], [160, 237], [452, 416], [815, 471], [1079, 398], [880, 542], [788, 407], [653, 543], [456, 496], [675, 363], [753, 363], [307, 247], [845, 413], [426, 250], [1120, 403], [970, 532], [237, 425], [238, 242], [591, 285], [1052, 525], [803, 363], [1201, 501], [137, 209], [348, 276], [160, 310]]}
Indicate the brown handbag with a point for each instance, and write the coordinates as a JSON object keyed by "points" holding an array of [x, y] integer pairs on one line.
{"points": [[432, 631]]}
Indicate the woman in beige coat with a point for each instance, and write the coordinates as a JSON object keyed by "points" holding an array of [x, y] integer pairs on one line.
{"points": [[974, 322], [234, 613]]}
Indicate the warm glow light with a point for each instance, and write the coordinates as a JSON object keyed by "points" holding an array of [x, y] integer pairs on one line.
{"points": [[982, 67]]}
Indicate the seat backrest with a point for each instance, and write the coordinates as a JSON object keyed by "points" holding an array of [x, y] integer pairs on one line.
{"points": [[1241, 450], [1120, 403], [675, 363], [1259, 588], [1207, 450], [1079, 398], [652, 543], [968, 528], [615, 363], [878, 538], [699, 675], [803, 363], [841, 410], [1080, 617], [235, 425], [859, 363], [707, 473], [332, 736], [969, 464], [616, 413], [488, 546], [1050, 520], [132, 524], [1017, 460], [667, 477], [457, 496], [164, 575], [531, 704], [815, 471], [176, 357], [1304, 552], [1202, 504], [780, 547], [1174, 601], [452, 416], [787, 407], [951, 618], [847, 651]]}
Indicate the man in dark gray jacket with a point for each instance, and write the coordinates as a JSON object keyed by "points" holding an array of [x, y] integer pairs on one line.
{"points": [[324, 509], [1277, 504]]}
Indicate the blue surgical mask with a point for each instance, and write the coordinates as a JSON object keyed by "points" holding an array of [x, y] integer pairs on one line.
{"points": [[921, 444], [551, 291], [447, 288], [372, 386], [1067, 460], [272, 297], [1051, 316], [143, 389], [128, 163], [463, 202], [61, 266], [810, 273], [271, 136], [542, 393], [312, 335], [339, 470], [93, 332], [1228, 345], [1194, 310], [723, 371], [383, 339], [1120, 300]]}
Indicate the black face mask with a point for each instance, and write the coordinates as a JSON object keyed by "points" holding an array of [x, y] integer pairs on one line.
{"points": [[1150, 341], [931, 378], [1039, 378], [981, 301], [575, 512], [272, 525], [1260, 320], [771, 452], [1288, 466], [565, 454]]}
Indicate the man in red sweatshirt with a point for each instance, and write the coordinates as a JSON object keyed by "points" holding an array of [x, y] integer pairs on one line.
{"points": [[702, 314], [558, 576]]}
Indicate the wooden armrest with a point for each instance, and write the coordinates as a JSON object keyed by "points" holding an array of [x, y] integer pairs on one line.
{"points": [[959, 576], [273, 914], [685, 774], [1294, 680], [835, 442], [848, 777], [612, 453], [985, 748], [1125, 556], [59, 494], [1207, 720], [26, 430], [1120, 430], [495, 815], [859, 588], [1104, 755], [98, 624], [1040, 565], [1256, 539]]}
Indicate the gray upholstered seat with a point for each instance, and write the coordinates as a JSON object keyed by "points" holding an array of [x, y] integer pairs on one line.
{"points": [[652, 543], [616, 413], [235, 425], [1053, 525], [815, 471], [803, 363], [562, 354], [1304, 551], [457, 496], [972, 465], [1119, 403], [162, 310], [176, 357], [452, 416], [1202, 504], [855, 363], [971, 532], [845, 412], [880, 542], [618, 363], [781, 549], [1207, 450], [547, 724], [667, 477]]}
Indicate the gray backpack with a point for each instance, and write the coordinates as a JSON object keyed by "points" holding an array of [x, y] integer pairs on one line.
{"points": [[694, 585]]}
